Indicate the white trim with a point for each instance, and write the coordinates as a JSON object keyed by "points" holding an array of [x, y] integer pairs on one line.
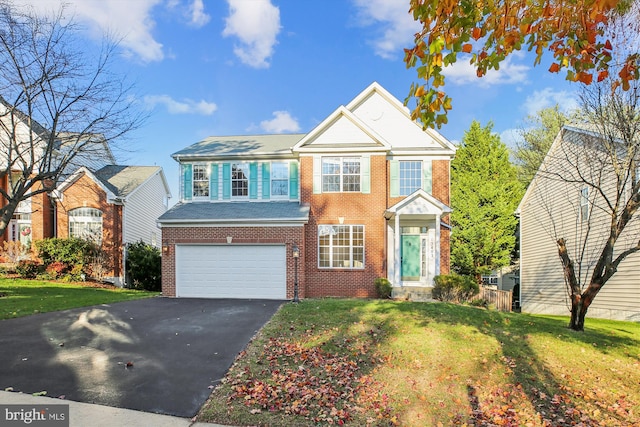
{"points": [[302, 145]]}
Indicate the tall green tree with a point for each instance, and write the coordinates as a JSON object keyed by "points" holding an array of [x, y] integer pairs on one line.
{"points": [[538, 133], [485, 193]]}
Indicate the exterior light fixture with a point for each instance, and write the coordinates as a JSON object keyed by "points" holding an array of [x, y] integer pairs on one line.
{"points": [[295, 252]]}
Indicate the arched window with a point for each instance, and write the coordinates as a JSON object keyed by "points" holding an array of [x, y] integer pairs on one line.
{"points": [[86, 223]]}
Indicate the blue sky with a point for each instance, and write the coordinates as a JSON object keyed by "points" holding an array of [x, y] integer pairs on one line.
{"points": [[238, 67]]}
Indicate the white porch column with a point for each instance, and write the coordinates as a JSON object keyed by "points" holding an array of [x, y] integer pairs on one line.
{"points": [[437, 260], [396, 249]]}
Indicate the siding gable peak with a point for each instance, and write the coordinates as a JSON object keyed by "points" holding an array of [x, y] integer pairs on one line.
{"points": [[343, 131]]}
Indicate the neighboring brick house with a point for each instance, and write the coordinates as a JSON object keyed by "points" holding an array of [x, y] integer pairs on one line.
{"points": [[363, 195], [113, 206]]}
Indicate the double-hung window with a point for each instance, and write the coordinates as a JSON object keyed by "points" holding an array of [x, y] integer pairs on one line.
{"points": [[341, 246], [279, 179], [200, 181], [584, 204], [410, 176], [240, 180], [340, 174]]}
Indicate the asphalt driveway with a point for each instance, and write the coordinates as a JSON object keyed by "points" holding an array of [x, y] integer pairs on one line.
{"points": [[156, 355]]}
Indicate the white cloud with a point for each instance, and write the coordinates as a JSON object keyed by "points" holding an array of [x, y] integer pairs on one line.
{"points": [[462, 72], [282, 122], [129, 22], [395, 26], [198, 17], [547, 97], [256, 24], [511, 138], [186, 106]]}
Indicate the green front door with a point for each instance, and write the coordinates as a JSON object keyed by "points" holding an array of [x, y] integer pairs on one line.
{"points": [[410, 254]]}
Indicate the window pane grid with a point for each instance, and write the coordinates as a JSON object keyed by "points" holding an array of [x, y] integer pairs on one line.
{"points": [[279, 179], [410, 176], [86, 223], [239, 180], [340, 174], [341, 246], [200, 181]]}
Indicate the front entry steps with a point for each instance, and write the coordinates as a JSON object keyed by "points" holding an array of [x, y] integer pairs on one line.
{"points": [[413, 293]]}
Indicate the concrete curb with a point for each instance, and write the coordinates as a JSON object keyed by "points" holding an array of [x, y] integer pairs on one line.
{"points": [[85, 414]]}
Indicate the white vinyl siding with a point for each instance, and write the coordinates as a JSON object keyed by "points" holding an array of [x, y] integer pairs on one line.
{"points": [[141, 211], [552, 210]]}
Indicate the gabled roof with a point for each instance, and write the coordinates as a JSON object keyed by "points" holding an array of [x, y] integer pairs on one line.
{"points": [[584, 128], [355, 134], [36, 127], [418, 203], [202, 213], [124, 180], [373, 121], [118, 182], [217, 147]]}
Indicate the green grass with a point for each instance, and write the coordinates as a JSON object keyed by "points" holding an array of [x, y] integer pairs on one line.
{"points": [[20, 297], [373, 362]]}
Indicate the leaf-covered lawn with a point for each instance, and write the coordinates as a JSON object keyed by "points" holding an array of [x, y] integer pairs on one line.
{"points": [[366, 362], [20, 297]]}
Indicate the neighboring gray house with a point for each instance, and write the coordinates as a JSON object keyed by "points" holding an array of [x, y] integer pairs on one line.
{"points": [[553, 208]]}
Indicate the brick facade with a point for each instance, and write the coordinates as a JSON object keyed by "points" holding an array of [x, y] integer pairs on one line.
{"points": [[286, 235], [86, 193], [355, 209]]}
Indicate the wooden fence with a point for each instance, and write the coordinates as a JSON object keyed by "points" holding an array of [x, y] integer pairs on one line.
{"points": [[500, 299]]}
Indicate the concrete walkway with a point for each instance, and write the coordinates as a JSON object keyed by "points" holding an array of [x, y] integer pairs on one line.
{"points": [[85, 414]]}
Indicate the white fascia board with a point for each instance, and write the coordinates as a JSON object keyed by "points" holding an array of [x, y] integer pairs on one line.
{"points": [[76, 175], [376, 87], [441, 154], [326, 123]]}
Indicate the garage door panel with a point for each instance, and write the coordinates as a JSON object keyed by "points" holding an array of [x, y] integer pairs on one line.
{"points": [[247, 271]]}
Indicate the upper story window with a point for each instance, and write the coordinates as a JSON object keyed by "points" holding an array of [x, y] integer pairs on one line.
{"points": [[584, 204], [86, 223], [239, 180], [279, 179], [341, 246], [410, 176], [340, 174], [407, 176], [200, 181]]}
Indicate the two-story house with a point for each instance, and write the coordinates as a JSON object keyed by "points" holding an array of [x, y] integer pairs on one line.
{"points": [[94, 198], [364, 195], [574, 196]]}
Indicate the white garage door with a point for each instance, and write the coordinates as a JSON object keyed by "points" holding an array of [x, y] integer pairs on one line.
{"points": [[231, 271]]}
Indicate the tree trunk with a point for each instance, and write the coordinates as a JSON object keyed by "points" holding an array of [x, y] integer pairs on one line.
{"points": [[579, 307]]}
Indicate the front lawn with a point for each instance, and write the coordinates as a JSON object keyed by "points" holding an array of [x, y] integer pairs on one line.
{"points": [[19, 297], [373, 362]]}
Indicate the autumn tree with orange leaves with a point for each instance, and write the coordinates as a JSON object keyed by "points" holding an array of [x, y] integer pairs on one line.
{"points": [[574, 32]]}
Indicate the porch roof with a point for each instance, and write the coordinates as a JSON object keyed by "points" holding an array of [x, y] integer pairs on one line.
{"points": [[418, 203]]}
